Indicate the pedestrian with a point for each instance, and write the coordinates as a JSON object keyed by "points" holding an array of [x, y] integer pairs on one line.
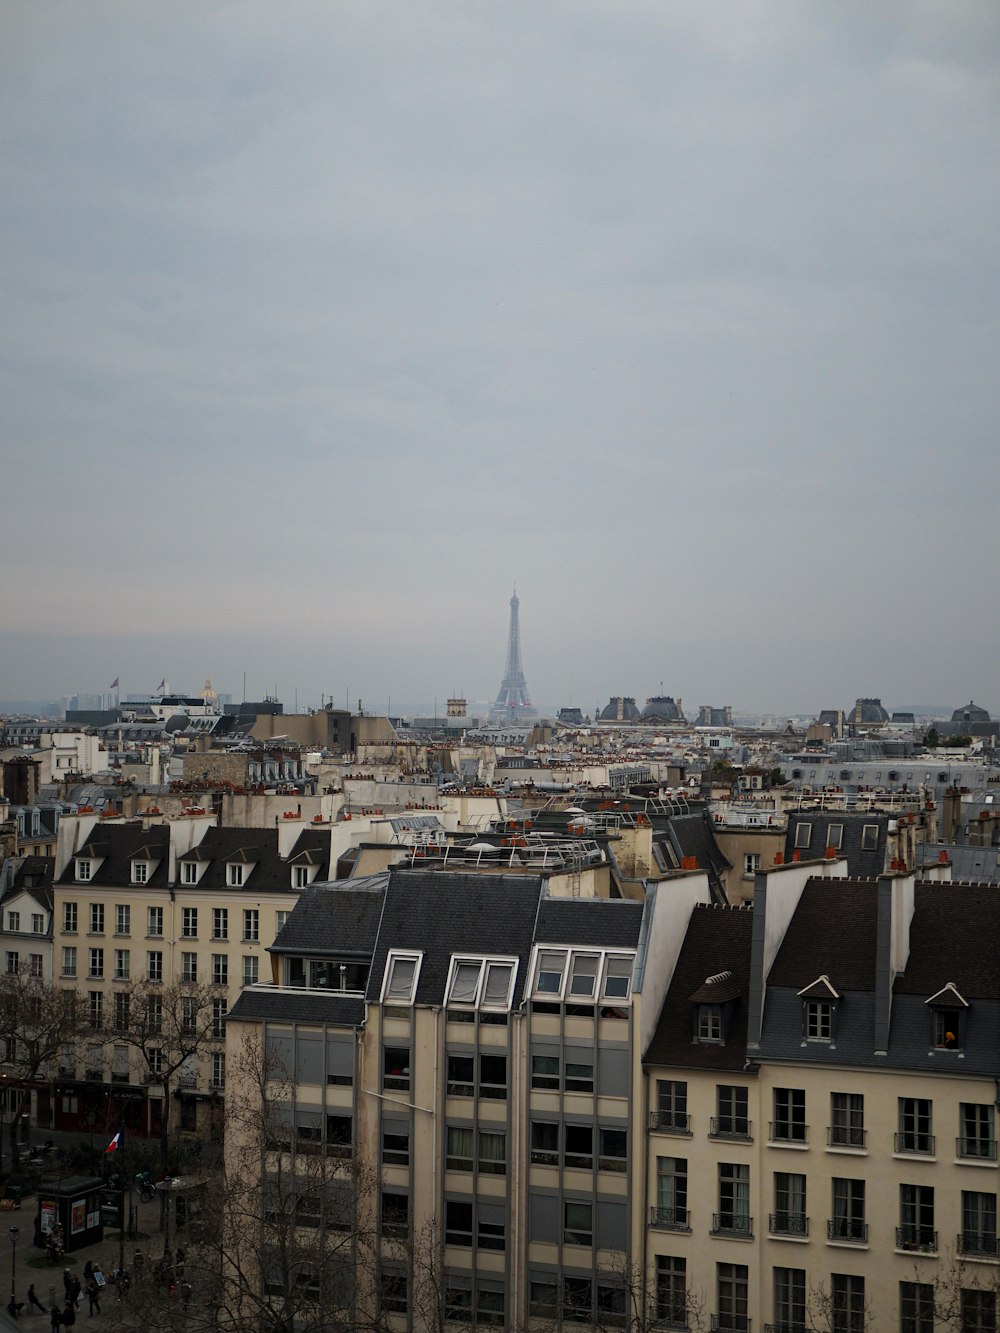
{"points": [[69, 1314], [94, 1296], [179, 1261], [88, 1271], [55, 1318], [75, 1290], [123, 1284], [67, 1284], [33, 1300]]}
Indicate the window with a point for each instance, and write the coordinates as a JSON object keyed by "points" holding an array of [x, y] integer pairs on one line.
{"points": [[396, 1068], [122, 964], [393, 1292], [154, 1013], [69, 918], [544, 1143], [96, 1008], [946, 1028], [492, 1153], [579, 1149], [671, 1107], [189, 1013], [732, 1293], [458, 1222], [96, 968], [154, 965], [847, 1120], [279, 921], [219, 1010], [220, 923], [579, 1075], [578, 1223], [400, 984], [848, 1221], [577, 1300], [154, 921], [734, 1199], [977, 1137], [835, 836], [819, 1020], [490, 1304], [140, 872], [189, 872], [789, 1217], [234, 874], [731, 1121], [37, 923], [251, 923], [189, 966], [36, 965], [220, 969], [300, 877], [543, 1295], [979, 1224], [14, 964], [710, 1023], [189, 923], [13, 920], [9, 1050], [803, 835], [914, 1134], [97, 918], [459, 1148], [869, 837], [790, 1299], [84, 869], [461, 1076], [123, 919], [493, 1077], [545, 1072], [582, 976], [916, 1307], [916, 1218], [122, 1007], [481, 983], [847, 1303], [751, 864], [69, 961], [251, 969], [671, 1291], [670, 1209], [979, 1310], [219, 1070], [395, 1143], [613, 1149], [789, 1124]]}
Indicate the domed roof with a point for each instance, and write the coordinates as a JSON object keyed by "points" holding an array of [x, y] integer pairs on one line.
{"points": [[970, 713], [621, 708], [869, 710], [663, 708]]}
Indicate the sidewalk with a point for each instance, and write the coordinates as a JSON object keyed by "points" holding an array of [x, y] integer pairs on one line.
{"points": [[32, 1264]]}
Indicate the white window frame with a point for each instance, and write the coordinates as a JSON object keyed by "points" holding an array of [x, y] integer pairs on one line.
{"points": [[140, 872], [751, 864], [569, 953], [484, 963], [803, 835], [84, 869], [38, 923], [189, 872], [235, 874], [150, 918], [300, 876], [189, 923], [251, 925], [14, 921], [70, 914], [400, 956]]}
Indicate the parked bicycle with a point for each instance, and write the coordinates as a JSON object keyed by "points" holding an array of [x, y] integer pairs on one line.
{"points": [[146, 1185]]}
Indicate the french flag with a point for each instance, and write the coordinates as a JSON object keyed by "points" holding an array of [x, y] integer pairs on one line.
{"points": [[113, 1145]]}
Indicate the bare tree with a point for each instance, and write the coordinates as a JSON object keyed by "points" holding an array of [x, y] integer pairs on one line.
{"points": [[964, 1295], [170, 1026], [40, 1026], [832, 1310]]}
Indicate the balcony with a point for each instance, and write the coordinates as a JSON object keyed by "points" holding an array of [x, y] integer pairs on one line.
{"points": [[847, 1230], [788, 1131], [976, 1150], [187, 1081], [846, 1136], [978, 1244], [730, 1127], [789, 1326], [788, 1224], [94, 1075], [913, 1143], [119, 1077], [732, 1224], [670, 1122], [731, 1323], [920, 1240], [670, 1219]]}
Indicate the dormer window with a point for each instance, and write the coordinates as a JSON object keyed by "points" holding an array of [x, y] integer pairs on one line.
{"points": [[582, 976], [190, 872], [819, 1009], [140, 872], [84, 869], [713, 1003], [401, 973], [235, 874], [710, 1022], [481, 983], [948, 1015], [803, 835], [302, 876]]}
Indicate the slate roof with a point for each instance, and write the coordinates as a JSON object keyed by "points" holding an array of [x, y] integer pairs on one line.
{"points": [[717, 940], [119, 845], [340, 918], [34, 877], [832, 931], [294, 1006], [953, 937], [692, 835], [860, 863], [443, 913], [604, 923], [270, 873]]}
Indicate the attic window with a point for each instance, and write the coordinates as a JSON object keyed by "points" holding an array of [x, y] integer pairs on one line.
{"points": [[710, 1023], [481, 983], [835, 836], [803, 835], [819, 1009], [948, 1015], [582, 976], [869, 837], [84, 869], [189, 872], [401, 973], [235, 874], [140, 872]]}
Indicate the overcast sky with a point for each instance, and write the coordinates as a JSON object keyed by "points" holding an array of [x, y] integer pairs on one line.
{"points": [[325, 324]]}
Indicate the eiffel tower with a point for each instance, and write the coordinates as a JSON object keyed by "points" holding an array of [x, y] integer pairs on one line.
{"points": [[513, 701]]}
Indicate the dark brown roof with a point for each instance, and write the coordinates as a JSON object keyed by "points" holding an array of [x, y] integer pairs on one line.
{"points": [[717, 940], [832, 931], [954, 937], [119, 845]]}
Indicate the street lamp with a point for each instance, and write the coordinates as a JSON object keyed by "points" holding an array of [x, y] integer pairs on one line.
{"points": [[12, 1307]]}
